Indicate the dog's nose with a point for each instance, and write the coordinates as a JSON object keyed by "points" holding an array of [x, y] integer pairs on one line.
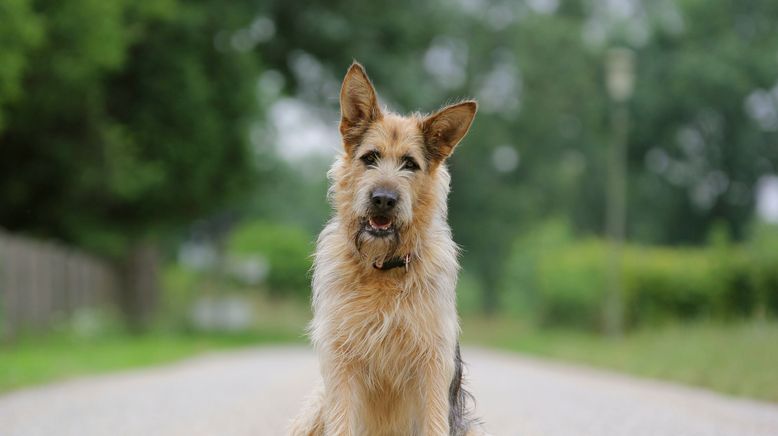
{"points": [[383, 199]]}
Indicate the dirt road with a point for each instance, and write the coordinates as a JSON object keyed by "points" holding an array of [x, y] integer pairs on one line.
{"points": [[255, 392]]}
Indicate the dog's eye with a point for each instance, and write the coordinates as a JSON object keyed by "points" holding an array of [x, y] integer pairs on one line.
{"points": [[370, 158], [410, 164]]}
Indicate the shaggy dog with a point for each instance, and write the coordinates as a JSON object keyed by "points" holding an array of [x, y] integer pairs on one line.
{"points": [[385, 324]]}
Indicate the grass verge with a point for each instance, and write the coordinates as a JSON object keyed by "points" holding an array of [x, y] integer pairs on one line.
{"points": [[738, 359], [106, 347], [38, 360]]}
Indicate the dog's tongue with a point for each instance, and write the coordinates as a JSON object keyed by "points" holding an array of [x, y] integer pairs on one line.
{"points": [[380, 222]]}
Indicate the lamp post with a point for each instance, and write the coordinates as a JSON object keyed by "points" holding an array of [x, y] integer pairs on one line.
{"points": [[620, 77]]}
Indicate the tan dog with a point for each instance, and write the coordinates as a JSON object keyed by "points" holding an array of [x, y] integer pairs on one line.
{"points": [[385, 325]]}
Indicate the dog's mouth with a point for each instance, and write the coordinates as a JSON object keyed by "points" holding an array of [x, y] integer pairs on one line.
{"points": [[379, 225]]}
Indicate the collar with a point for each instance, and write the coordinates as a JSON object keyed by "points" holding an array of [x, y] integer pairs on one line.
{"points": [[394, 262]]}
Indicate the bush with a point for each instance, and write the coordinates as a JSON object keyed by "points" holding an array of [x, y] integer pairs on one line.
{"points": [[561, 281], [663, 283], [571, 285], [180, 288], [520, 281], [286, 249]]}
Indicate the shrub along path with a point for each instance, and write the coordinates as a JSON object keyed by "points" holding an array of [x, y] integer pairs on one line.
{"points": [[256, 391]]}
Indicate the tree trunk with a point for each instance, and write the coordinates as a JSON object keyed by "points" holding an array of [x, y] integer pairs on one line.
{"points": [[140, 290]]}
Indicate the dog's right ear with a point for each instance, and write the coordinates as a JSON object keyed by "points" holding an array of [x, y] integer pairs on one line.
{"points": [[443, 130], [358, 106]]}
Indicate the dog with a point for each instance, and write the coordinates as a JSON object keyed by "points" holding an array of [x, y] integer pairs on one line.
{"points": [[385, 325]]}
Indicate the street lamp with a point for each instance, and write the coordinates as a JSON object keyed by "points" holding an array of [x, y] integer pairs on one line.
{"points": [[620, 67], [620, 78]]}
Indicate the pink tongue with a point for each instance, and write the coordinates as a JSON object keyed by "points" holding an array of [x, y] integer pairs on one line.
{"points": [[380, 221]]}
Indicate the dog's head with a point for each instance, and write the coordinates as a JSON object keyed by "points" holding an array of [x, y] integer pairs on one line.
{"points": [[390, 183]]}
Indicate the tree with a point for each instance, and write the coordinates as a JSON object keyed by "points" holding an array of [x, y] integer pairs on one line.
{"points": [[706, 123], [127, 126], [20, 33]]}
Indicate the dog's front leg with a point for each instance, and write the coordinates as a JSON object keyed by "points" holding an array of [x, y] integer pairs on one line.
{"points": [[437, 378], [341, 410]]}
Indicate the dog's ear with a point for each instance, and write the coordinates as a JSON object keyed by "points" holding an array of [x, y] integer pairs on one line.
{"points": [[444, 129], [358, 106]]}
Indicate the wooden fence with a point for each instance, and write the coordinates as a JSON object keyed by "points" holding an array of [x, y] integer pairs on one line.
{"points": [[43, 283]]}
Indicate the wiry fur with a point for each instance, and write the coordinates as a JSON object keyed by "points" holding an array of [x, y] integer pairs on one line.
{"points": [[387, 341]]}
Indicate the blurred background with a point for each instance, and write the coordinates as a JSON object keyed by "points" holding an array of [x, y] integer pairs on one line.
{"points": [[162, 175]]}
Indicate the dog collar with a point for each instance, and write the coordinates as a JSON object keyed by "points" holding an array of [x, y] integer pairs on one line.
{"points": [[394, 262]]}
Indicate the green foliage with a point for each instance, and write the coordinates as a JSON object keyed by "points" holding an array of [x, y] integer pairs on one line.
{"points": [[694, 91], [469, 294], [180, 287], [558, 281], [571, 285], [292, 194], [662, 283], [21, 32], [520, 280], [286, 249], [131, 123]]}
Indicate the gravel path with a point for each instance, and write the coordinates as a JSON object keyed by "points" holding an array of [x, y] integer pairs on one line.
{"points": [[255, 392]]}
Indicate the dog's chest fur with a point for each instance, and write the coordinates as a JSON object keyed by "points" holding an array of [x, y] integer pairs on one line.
{"points": [[384, 322]]}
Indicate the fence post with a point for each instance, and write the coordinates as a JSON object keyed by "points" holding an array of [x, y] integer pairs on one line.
{"points": [[140, 285]]}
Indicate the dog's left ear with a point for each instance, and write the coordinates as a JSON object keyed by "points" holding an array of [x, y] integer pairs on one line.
{"points": [[444, 129], [358, 106]]}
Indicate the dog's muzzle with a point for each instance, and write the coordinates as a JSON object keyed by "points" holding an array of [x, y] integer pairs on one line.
{"points": [[380, 220]]}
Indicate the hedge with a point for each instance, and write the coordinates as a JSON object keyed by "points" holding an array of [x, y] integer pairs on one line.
{"points": [[287, 250], [564, 282]]}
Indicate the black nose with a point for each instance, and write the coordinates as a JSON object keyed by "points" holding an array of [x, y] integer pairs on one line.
{"points": [[383, 199]]}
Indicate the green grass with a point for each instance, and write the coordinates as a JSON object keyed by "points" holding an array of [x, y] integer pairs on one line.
{"points": [[739, 359], [43, 359], [106, 347]]}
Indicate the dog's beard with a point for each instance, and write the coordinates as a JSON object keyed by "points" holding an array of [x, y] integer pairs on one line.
{"points": [[375, 249]]}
